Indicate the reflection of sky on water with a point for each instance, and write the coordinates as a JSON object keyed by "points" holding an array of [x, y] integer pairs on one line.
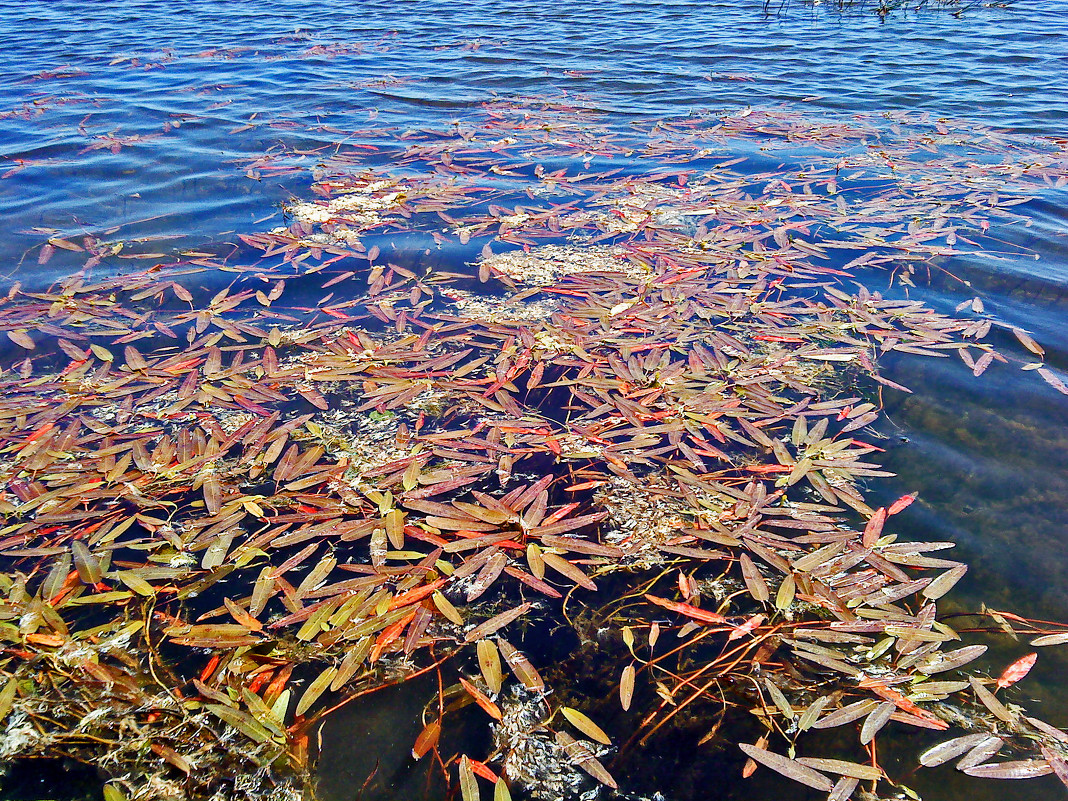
{"points": [[183, 102]]}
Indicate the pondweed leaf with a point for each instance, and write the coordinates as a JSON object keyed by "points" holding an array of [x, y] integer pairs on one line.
{"points": [[581, 755], [468, 782], [626, 687], [637, 402], [980, 752], [843, 789], [583, 723], [875, 721], [1017, 670], [485, 703], [754, 581], [7, 696], [842, 768], [315, 690], [1051, 639], [489, 662], [988, 700], [950, 749], [1056, 762], [790, 768], [1021, 769], [520, 666], [427, 739]]}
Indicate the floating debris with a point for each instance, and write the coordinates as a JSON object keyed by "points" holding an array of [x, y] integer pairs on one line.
{"points": [[547, 264]]}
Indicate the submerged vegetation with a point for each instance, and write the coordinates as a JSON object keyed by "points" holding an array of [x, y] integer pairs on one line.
{"points": [[478, 389]]}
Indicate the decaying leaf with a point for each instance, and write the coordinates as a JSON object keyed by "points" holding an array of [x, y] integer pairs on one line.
{"points": [[584, 758], [520, 666]]}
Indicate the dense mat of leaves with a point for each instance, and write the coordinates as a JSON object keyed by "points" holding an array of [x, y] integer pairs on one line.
{"points": [[650, 393]]}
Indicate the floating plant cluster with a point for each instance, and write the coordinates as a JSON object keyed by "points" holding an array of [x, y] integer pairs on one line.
{"points": [[643, 395]]}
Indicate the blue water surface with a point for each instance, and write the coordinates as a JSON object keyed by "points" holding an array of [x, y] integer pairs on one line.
{"points": [[185, 92], [147, 124]]}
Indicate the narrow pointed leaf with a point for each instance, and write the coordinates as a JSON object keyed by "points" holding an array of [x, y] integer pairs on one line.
{"points": [[790, 768]]}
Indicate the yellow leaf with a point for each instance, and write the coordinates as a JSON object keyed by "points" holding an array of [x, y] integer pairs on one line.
{"points": [[101, 353], [447, 609], [785, 596], [585, 725], [489, 661], [626, 687], [468, 784], [7, 697], [315, 689]]}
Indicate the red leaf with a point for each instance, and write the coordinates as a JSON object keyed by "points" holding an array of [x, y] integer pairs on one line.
{"points": [[685, 609], [900, 504], [874, 527], [1017, 670], [485, 703]]}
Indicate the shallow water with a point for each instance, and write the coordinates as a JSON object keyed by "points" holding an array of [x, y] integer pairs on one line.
{"points": [[147, 126]]}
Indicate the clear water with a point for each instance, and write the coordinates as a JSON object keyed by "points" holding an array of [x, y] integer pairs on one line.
{"points": [[146, 123]]}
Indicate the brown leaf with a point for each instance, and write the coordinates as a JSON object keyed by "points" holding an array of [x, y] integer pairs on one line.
{"points": [[1053, 380], [427, 739], [790, 768], [565, 568], [1022, 769], [582, 756], [754, 581], [496, 622], [950, 749], [520, 666], [875, 721], [1028, 342]]}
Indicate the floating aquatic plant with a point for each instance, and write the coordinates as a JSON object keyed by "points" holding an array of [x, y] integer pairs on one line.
{"points": [[646, 398]]}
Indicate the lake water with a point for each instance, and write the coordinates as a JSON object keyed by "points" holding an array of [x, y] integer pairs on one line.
{"points": [[147, 124]]}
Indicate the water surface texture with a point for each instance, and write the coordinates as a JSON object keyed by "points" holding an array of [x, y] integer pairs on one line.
{"points": [[184, 96], [151, 128]]}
